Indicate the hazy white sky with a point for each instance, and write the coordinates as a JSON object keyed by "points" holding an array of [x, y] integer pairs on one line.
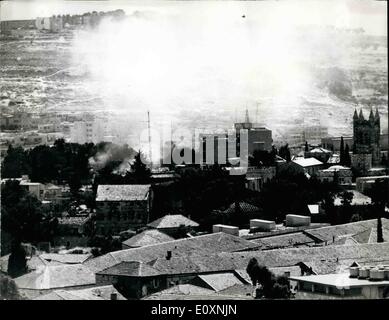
{"points": [[370, 15]]}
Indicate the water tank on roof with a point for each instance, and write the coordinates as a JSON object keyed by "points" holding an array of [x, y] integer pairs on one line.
{"points": [[226, 229], [263, 225], [354, 272], [364, 273], [294, 220], [377, 274]]}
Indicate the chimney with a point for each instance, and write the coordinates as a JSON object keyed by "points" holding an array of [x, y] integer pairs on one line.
{"points": [[168, 255], [114, 296]]}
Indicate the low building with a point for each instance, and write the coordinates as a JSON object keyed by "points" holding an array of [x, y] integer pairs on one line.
{"points": [[71, 231], [120, 207], [339, 174], [175, 225], [364, 184], [344, 285], [309, 166]]}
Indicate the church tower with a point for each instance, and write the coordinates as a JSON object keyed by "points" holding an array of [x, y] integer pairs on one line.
{"points": [[367, 135]]}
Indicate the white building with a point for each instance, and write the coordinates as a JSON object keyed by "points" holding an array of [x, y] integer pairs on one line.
{"points": [[87, 131]]}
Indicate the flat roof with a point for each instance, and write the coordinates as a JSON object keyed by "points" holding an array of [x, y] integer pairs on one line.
{"points": [[339, 280]]}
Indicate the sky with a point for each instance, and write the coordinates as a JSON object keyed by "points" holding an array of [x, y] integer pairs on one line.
{"points": [[370, 15], [191, 59]]}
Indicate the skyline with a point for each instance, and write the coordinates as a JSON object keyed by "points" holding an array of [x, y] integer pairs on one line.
{"points": [[369, 15]]}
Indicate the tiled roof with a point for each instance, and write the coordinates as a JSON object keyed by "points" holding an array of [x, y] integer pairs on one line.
{"points": [[181, 289], [172, 221], [147, 237], [284, 241], [65, 258], [353, 228], [125, 192], [95, 293], [244, 207], [131, 269], [220, 281], [326, 258], [209, 243], [307, 162], [56, 276]]}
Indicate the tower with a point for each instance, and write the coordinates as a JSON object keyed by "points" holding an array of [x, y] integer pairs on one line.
{"points": [[367, 135]]}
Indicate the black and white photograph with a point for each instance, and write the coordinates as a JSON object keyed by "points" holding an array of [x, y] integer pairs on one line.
{"points": [[194, 150]]}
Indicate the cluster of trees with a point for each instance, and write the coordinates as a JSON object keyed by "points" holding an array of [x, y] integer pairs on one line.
{"points": [[63, 162], [345, 159], [271, 286], [22, 215], [197, 192]]}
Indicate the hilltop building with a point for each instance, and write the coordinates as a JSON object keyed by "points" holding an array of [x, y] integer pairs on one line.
{"points": [[366, 148]]}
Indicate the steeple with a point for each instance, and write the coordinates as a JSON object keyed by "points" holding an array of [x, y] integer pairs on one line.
{"points": [[361, 117], [247, 120], [355, 114], [377, 115], [371, 116]]}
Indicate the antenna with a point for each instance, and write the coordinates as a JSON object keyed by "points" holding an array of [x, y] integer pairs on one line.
{"points": [[148, 127], [256, 113]]}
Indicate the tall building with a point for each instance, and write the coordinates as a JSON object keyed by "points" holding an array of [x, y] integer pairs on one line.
{"points": [[87, 131], [367, 135], [259, 138]]}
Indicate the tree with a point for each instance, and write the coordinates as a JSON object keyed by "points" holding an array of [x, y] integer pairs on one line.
{"points": [[139, 171], [347, 158], [284, 152], [8, 289], [15, 163], [342, 160], [380, 237], [273, 287], [306, 146], [17, 263]]}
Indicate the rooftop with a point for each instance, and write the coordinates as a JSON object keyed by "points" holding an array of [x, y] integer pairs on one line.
{"points": [[209, 243], [125, 192], [147, 237], [56, 276], [339, 280], [131, 269], [219, 281], [352, 228], [65, 258], [244, 207], [172, 221], [95, 293], [181, 289], [307, 162]]}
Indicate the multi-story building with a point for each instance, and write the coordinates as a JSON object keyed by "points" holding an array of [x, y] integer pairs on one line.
{"points": [[87, 131], [120, 207]]}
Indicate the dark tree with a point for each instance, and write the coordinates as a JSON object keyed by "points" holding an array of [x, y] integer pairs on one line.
{"points": [[17, 262], [342, 159], [8, 289], [306, 146], [273, 287], [15, 163], [380, 237], [139, 171], [284, 152], [347, 158]]}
